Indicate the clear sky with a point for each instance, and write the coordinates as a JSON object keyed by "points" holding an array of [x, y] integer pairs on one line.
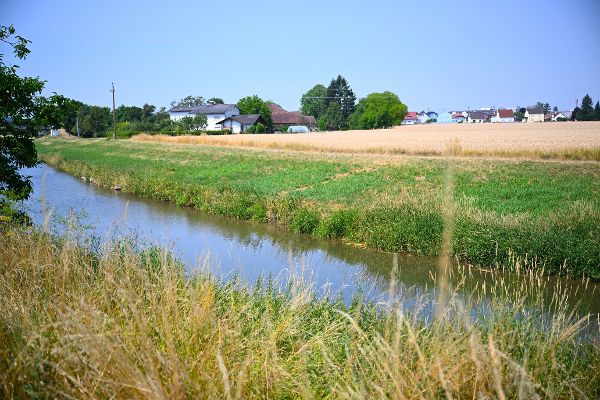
{"points": [[438, 55]]}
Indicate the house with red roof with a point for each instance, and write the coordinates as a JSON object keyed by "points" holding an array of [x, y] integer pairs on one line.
{"points": [[283, 118], [503, 115], [411, 118]]}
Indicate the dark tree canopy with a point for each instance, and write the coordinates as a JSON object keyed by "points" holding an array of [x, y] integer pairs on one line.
{"points": [[333, 119], [313, 102], [23, 112], [215, 100], [256, 105], [586, 112], [378, 110], [339, 92], [597, 111]]}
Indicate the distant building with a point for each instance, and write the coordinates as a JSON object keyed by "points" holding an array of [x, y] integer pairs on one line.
{"points": [[422, 117], [477, 117], [503, 116], [215, 113], [283, 118], [534, 115], [432, 115], [241, 123], [450, 117], [555, 116], [410, 118]]}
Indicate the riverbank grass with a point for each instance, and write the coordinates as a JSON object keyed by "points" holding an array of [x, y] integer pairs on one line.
{"points": [[549, 211], [127, 323]]}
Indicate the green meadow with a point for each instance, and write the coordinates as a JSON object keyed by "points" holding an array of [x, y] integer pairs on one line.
{"points": [[548, 211]]}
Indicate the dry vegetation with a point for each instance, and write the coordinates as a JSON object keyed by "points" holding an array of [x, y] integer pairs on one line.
{"points": [[566, 140], [120, 323]]}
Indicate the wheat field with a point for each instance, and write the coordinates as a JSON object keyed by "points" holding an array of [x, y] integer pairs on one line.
{"points": [[560, 140]]}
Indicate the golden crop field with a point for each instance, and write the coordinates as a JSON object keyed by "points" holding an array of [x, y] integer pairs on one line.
{"points": [[558, 140]]}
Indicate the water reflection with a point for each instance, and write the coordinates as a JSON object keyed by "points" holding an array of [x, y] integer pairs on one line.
{"points": [[251, 250]]}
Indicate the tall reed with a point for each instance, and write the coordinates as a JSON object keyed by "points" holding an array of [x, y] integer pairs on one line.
{"points": [[124, 323]]}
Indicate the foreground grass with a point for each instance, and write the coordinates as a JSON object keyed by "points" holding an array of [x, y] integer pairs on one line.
{"points": [[122, 323], [548, 211]]}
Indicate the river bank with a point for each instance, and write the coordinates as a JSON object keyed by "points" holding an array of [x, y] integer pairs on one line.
{"points": [[548, 211], [134, 324]]}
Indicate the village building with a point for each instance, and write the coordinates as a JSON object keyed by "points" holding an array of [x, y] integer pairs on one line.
{"points": [[282, 118], [215, 113], [422, 117], [503, 116], [534, 115], [432, 115], [241, 123], [555, 116], [410, 118], [450, 117], [477, 117]]}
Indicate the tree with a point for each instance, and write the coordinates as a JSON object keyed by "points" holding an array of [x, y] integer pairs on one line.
{"points": [[519, 116], [574, 113], [555, 109], [215, 100], [189, 101], [22, 113], [339, 92], [94, 120], [333, 119], [128, 113], [313, 101], [256, 105], [597, 111], [586, 112], [378, 110], [543, 106], [148, 112]]}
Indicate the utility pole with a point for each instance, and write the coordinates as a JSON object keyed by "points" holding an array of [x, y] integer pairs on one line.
{"points": [[114, 120]]}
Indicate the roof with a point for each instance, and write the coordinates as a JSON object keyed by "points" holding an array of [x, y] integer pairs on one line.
{"points": [[206, 109], [410, 115], [536, 110], [478, 115], [245, 119], [506, 113], [283, 117], [431, 112], [457, 114]]}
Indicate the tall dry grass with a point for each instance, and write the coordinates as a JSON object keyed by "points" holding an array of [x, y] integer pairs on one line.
{"points": [[122, 323]]}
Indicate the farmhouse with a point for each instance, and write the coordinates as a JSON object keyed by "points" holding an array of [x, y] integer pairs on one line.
{"points": [[555, 116], [534, 115], [215, 113], [283, 118], [410, 118], [241, 123], [503, 115]]}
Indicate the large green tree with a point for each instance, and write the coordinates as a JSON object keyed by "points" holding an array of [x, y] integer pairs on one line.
{"points": [[378, 110], [129, 113], [339, 92], [597, 111], [333, 119], [586, 112], [313, 102], [23, 112], [215, 100], [189, 101], [256, 105]]}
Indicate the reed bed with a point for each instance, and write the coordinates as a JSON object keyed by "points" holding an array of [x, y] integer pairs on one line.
{"points": [[115, 321], [560, 141]]}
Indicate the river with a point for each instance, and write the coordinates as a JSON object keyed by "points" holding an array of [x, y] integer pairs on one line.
{"points": [[249, 250]]}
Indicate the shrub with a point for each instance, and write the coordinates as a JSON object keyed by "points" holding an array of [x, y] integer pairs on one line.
{"points": [[339, 224], [260, 128], [251, 129], [305, 221]]}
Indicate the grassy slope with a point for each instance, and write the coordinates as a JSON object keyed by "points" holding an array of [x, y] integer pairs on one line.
{"points": [[547, 210], [132, 325]]}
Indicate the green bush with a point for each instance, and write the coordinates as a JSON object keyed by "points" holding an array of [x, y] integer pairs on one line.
{"points": [[305, 221], [251, 129], [260, 128], [338, 225]]}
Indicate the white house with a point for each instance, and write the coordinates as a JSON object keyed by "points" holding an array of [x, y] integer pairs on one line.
{"points": [[503, 115], [422, 117], [534, 115], [241, 123], [215, 113], [477, 117]]}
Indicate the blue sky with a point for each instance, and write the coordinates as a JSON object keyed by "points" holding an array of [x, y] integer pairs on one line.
{"points": [[434, 54]]}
